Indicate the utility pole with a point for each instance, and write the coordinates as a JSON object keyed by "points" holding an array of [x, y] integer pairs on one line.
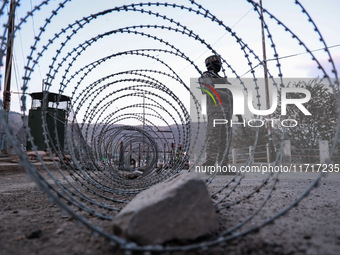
{"points": [[8, 68], [9, 54], [144, 160], [270, 133]]}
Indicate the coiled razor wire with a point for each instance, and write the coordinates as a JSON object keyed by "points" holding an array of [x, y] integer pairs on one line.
{"points": [[127, 112]]}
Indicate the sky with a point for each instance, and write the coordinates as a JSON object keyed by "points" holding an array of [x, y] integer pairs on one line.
{"points": [[238, 15]]}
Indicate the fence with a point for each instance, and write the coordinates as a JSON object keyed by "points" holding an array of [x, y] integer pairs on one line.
{"points": [[257, 154], [291, 154]]}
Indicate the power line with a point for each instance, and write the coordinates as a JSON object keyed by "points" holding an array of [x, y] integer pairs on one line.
{"points": [[218, 39], [302, 53], [32, 18], [33, 25], [232, 27], [292, 55]]}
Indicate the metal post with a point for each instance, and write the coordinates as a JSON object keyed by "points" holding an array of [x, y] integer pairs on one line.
{"points": [[121, 156], [130, 153], [233, 155], [147, 156], [268, 153], [172, 153], [139, 156], [164, 153], [270, 134], [9, 55], [143, 128], [287, 151], [324, 151]]}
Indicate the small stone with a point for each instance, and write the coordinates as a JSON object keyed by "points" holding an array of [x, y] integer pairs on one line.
{"points": [[59, 231], [177, 209], [132, 176], [34, 234], [307, 236]]}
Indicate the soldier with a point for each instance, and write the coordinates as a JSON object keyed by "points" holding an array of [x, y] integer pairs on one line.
{"points": [[132, 162], [217, 142]]}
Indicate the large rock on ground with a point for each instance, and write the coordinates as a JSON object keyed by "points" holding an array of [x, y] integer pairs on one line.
{"points": [[179, 208]]}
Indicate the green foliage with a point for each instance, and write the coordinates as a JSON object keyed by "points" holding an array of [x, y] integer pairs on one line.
{"points": [[310, 129], [318, 126]]}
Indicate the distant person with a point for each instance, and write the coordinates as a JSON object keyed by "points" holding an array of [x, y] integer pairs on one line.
{"points": [[132, 162]]}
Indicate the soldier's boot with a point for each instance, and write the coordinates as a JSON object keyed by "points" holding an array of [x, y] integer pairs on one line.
{"points": [[211, 156]]}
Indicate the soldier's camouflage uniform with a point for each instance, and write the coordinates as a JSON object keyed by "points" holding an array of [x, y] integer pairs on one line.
{"points": [[219, 137]]}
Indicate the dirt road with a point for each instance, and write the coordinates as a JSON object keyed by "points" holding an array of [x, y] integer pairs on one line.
{"points": [[30, 224]]}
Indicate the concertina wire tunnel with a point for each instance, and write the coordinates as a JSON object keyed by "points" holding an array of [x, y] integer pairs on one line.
{"points": [[137, 91]]}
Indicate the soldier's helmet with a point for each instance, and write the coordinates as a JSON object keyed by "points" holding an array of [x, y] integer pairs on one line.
{"points": [[213, 63]]}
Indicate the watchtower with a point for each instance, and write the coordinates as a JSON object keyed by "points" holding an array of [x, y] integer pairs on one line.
{"points": [[52, 108]]}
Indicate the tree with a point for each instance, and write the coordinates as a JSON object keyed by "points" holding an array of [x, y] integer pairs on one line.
{"points": [[320, 125]]}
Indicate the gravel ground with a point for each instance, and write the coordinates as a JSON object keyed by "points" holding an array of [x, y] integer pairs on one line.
{"points": [[30, 224]]}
